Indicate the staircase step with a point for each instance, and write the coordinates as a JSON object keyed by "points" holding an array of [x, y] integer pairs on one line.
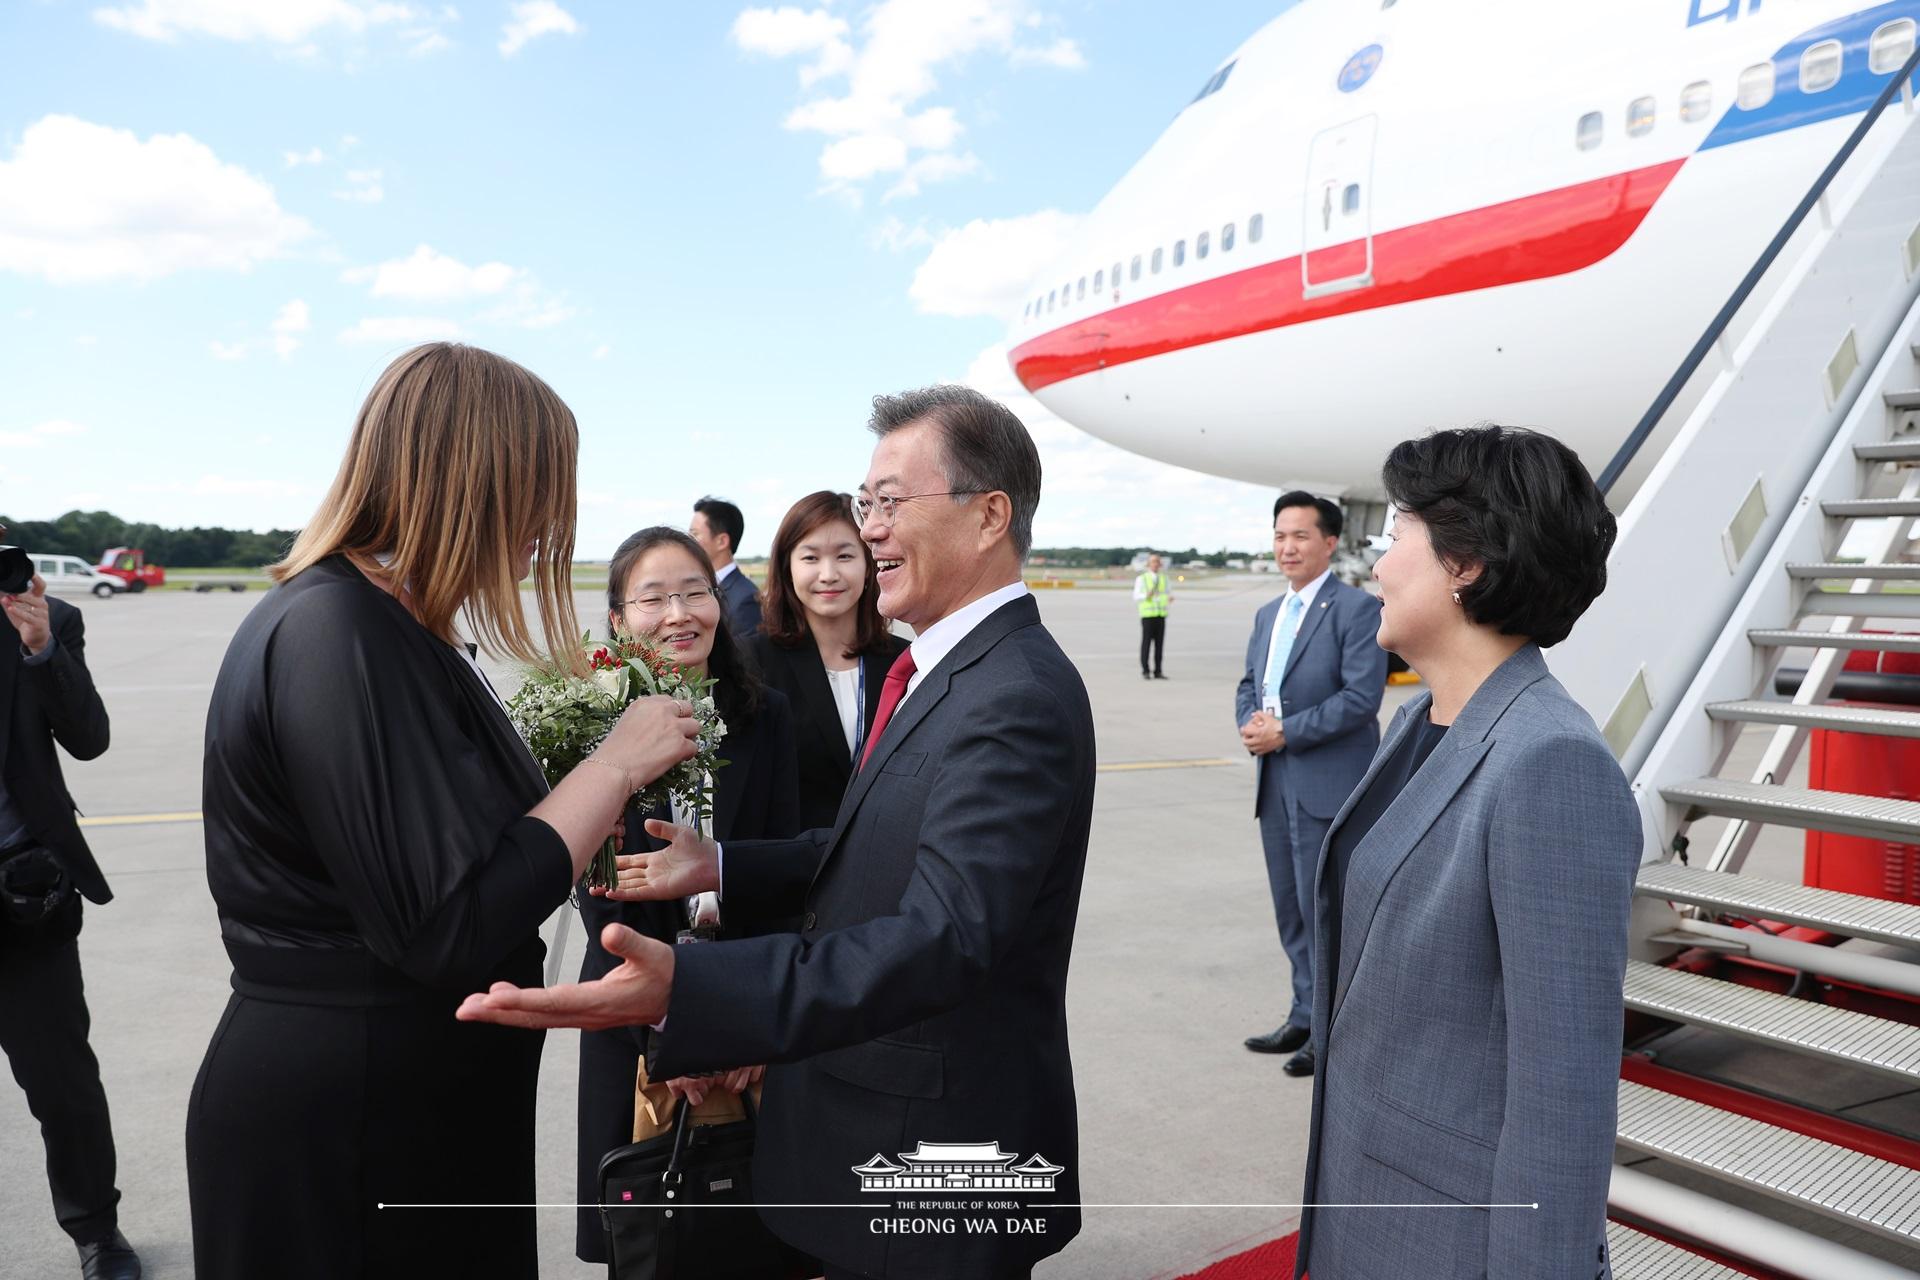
{"points": [[1869, 508], [1854, 719], [1876, 642], [1841, 812], [1850, 604], [1891, 451], [1866, 1191], [1823, 1031], [1639, 1256], [1902, 399], [1855, 915], [1853, 572]]}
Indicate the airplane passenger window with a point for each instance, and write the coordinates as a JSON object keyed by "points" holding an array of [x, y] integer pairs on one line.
{"points": [[1202, 243], [1891, 46], [1115, 275], [1256, 225], [1179, 252], [1820, 67], [1350, 200], [1100, 282], [1081, 292], [1587, 135], [1640, 117], [1134, 272], [1696, 101], [1156, 261], [1226, 238], [1756, 87], [1050, 293]]}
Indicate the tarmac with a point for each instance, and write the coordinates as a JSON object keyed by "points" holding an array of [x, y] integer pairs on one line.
{"points": [[1191, 1147]]}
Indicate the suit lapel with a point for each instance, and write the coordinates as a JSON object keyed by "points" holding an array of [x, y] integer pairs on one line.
{"points": [[729, 783], [1263, 625], [1322, 605], [818, 709], [10, 661]]}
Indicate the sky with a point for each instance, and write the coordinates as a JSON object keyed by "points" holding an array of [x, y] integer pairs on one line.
{"points": [[717, 230]]}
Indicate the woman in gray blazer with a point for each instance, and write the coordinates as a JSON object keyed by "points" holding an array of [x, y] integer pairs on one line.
{"points": [[1472, 898]]}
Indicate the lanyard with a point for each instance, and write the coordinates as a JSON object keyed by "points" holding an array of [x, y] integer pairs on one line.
{"points": [[859, 707]]}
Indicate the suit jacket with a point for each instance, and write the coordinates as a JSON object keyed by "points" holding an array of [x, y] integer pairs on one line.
{"points": [[741, 600], [825, 764], [50, 702], [924, 997], [1468, 1030], [1329, 699]]}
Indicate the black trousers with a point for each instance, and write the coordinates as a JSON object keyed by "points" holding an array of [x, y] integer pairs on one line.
{"points": [[1153, 634], [43, 1029]]}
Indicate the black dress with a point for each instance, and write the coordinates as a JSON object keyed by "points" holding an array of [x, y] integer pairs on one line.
{"points": [[753, 799], [370, 855], [825, 764]]}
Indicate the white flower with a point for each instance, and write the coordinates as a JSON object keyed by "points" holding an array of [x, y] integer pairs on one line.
{"points": [[612, 680]]}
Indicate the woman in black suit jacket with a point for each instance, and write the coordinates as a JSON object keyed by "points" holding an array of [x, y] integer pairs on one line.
{"points": [[661, 586], [824, 644]]}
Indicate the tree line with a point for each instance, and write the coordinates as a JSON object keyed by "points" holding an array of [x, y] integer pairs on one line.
{"points": [[87, 533], [1108, 557]]}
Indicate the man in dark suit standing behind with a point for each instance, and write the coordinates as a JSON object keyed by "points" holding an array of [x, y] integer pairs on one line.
{"points": [[1309, 708], [718, 526], [47, 696], [923, 1002]]}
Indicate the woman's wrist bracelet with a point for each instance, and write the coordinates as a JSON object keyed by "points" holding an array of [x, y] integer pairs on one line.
{"points": [[625, 777]]}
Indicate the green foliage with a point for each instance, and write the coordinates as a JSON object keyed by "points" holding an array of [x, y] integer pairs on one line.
{"points": [[1106, 557], [87, 533]]}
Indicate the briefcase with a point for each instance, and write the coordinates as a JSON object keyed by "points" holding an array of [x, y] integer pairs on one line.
{"points": [[680, 1206]]}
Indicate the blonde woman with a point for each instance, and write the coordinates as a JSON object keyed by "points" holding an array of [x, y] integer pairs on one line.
{"points": [[379, 841]]}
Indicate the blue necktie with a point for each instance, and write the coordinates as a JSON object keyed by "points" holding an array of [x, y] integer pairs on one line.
{"points": [[1289, 625]]}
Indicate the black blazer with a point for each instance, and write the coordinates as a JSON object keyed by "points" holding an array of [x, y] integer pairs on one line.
{"points": [[741, 599], [924, 998], [825, 763], [54, 701]]}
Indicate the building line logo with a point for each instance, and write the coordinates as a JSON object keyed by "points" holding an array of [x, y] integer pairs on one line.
{"points": [[958, 1167]]}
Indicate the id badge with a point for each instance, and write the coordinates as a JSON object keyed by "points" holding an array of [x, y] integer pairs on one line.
{"points": [[1271, 705]]}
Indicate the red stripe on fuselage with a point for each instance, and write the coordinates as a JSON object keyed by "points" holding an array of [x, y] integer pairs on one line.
{"points": [[1530, 238]]}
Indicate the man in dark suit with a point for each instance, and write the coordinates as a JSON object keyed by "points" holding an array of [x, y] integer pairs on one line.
{"points": [[920, 1012], [47, 696], [1308, 708], [717, 526]]}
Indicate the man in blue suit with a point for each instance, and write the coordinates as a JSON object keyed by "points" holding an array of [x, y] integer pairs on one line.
{"points": [[717, 526], [1309, 710]]}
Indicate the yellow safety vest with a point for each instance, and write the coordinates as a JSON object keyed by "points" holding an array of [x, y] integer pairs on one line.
{"points": [[1154, 603]]}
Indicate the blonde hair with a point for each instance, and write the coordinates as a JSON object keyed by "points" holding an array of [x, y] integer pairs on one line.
{"points": [[459, 458]]}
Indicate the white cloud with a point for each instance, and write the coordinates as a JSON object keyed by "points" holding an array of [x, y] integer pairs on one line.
{"points": [[293, 319], [312, 155], [227, 350], [427, 275], [984, 267], [86, 340], [876, 125], [426, 43], [232, 487], [59, 427], [533, 19], [401, 330], [84, 202], [40, 432], [600, 352], [530, 309], [363, 187], [285, 22], [897, 237], [348, 141]]}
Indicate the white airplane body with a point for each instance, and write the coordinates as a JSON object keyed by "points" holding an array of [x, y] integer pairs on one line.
{"points": [[1419, 215]]}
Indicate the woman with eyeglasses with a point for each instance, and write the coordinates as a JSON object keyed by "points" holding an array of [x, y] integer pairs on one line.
{"points": [[661, 588], [824, 644]]}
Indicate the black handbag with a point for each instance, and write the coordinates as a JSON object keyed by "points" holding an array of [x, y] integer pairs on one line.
{"points": [[679, 1206]]}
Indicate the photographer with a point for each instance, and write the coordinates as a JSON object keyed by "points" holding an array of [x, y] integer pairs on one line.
{"points": [[46, 696]]}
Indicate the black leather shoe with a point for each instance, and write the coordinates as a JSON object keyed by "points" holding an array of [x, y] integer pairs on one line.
{"points": [[1158, 676], [1300, 1064], [1145, 676], [109, 1259], [1285, 1040]]}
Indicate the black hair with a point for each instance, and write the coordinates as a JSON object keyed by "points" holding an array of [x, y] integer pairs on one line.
{"points": [[1331, 521], [738, 692], [1522, 507], [723, 517], [985, 448]]}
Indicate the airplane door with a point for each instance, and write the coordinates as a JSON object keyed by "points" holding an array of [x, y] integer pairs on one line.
{"points": [[1337, 244]]}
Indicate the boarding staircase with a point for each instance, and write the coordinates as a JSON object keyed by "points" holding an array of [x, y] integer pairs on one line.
{"points": [[1774, 533]]}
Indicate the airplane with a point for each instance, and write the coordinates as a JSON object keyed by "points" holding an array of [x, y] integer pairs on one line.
{"points": [[1379, 217]]}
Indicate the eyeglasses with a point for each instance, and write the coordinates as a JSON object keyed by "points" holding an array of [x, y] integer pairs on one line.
{"points": [[652, 606], [888, 505]]}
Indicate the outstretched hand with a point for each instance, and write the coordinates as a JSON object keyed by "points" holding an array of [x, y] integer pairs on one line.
{"points": [[689, 864], [635, 994]]}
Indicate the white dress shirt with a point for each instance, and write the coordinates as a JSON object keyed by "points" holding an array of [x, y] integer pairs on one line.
{"points": [[1306, 594], [944, 636], [722, 574]]}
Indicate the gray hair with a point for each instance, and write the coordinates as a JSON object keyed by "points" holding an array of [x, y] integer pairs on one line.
{"points": [[984, 447]]}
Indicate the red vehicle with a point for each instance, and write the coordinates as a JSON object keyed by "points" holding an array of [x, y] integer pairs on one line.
{"points": [[129, 565]]}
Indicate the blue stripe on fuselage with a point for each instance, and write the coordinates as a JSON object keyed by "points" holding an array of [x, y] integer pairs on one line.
{"points": [[1790, 108]]}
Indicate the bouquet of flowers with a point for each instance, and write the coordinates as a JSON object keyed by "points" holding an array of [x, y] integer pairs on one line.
{"points": [[563, 717]]}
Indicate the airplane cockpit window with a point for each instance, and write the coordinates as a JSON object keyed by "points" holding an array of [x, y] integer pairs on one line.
{"points": [[1696, 101], [1179, 252], [1201, 244], [1891, 46], [1133, 272], [1756, 87], [1350, 200], [1214, 82], [1156, 260], [1820, 67], [1256, 227], [1226, 238], [1640, 117], [1587, 135]]}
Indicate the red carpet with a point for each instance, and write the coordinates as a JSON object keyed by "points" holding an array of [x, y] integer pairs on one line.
{"points": [[1270, 1261]]}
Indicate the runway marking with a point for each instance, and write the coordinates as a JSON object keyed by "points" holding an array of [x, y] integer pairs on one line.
{"points": [[138, 819], [1138, 766]]}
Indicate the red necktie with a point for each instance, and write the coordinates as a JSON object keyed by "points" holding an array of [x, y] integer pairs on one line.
{"points": [[894, 689]]}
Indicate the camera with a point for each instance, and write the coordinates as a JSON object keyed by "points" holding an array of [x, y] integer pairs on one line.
{"points": [[16, 571]]}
